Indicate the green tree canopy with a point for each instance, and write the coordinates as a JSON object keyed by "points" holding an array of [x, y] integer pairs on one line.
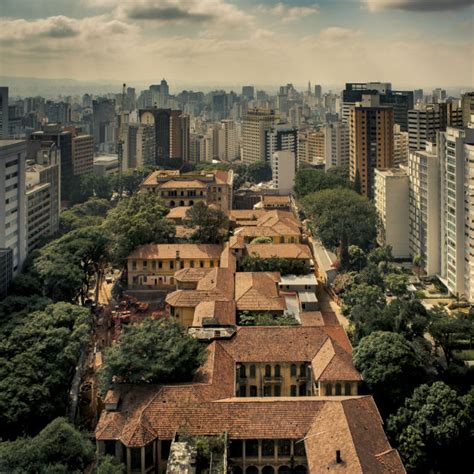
{"points": [[390, 367], [109, 465], [368, 296], [157, 351], [37, 362], [58, 448], [258, 172], [341, 217], [396, 283], [357, 258], [311, 180], [433, 430], [137, 220], [86, 214], [210, 225]]}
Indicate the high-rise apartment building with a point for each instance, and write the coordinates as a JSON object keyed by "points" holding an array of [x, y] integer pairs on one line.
{"points": [[12, 203], [439, 95], [4, 112], [318, 91], [316, 154], [400, 101], [82, 155], [103, 120], [457, 176], [391, 201], [371, 144], [229, 143], [248, 92], [254, 125], [283, 171], [467, 106], [336, 142], [200, 148], [469, 221], [400, 146], [58, 112], [425, 208], [280, 137]]}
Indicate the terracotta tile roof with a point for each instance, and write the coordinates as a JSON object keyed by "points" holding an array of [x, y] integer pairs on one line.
{"points": [[258, 291], [185, 183], [168, 251], [228, 259], [272, 217], [236, 242], [270, 199], [246, 214], [316, 318], [191, 274], [222, 312], [258, 231], [224, 177], [290, 251], [183, 232], [178, 213]]}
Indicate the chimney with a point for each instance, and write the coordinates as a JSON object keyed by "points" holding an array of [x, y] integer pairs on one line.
{"points": [[338, 456]]}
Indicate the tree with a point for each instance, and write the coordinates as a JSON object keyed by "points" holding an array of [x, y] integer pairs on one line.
{"points": [[86, 214], [261, 240], [157, 351], [390, 367], [109, 465], [357, 258], [137, 220], [311, 180], [58, 448], [259, 171], [210, 225], [396, 283], [419, 262], [367, 296], [432, 430], [131, 180], [380, 254], [266, 319], [341, 214], [37, 362], [81, 255], [446, 330], [371, 275]]}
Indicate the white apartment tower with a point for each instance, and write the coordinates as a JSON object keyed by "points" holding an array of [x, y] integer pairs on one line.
{"points": [[400, 146], [254, 124], [457, 206], [12, 200], [336, 140], [424, 214], [283, 171], [391, 201], [423, 123], [228, 136]]}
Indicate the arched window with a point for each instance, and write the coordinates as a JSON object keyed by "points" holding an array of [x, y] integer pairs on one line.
{"points": [[251, 448], [328, 389], [237, 470], [242, 371], [172, 203], [191, 202], [293, 370], [347, 388], [338, 389], [251, 470], [181, 203], [302, 370], [268, 470], [268, 371], [268, 448], [300, 470], [277, 371], [284, 470], [252, 370]]}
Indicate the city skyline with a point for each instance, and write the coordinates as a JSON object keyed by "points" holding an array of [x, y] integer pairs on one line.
{"points": [[222, 43]]}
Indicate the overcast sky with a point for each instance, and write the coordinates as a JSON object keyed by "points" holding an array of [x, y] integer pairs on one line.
{"points": [[407, 42]]}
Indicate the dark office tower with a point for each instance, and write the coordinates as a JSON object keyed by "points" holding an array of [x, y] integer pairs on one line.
{"points": [[417, 95], [219, 105], [63, 140], [281, 137], [400, 101], [103, 117], [3, 112], [87, 100], [318, 91], [371, 144], [171, 134], [58, 112], [248, 92], [131, 99], [262, 95]]}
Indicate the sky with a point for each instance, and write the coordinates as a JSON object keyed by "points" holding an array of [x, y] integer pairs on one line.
{"points": [[407, 42]]}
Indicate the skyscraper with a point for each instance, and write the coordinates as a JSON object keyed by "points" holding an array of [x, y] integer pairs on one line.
{"points": [[318, 92], [254, 124], [248, 92], [371, 144], [467, 105], [336, 142], [3, 112], [228, 136], [280, 137]]}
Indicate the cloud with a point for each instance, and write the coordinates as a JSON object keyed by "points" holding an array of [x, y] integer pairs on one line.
{"points": [[166, 14], [336, 36], [288, 14], [417, 5]]}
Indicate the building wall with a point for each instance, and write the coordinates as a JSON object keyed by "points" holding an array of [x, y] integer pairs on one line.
{"points": [[469, 222], [283, 171], [4, 112], [254, 124], [82, 155], [391, 198], [38, 214], [156, 272], [12, 200]]}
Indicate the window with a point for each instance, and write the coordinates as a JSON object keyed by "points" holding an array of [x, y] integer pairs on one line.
{"points": [[165, 449], [242, 391], [293, 390], [136, 458], [268, 448], [251, 448], [201, 264], [109, 447], [171, 265], [293, 370], [282, 240], [242, 371], [160, 264], [253, 390], [149, 455], [212, 263], [302, 370], [298, 449], [181, 264], [302, 391], [277, 390], [268, 371], [284, 447], [267, 390], [347, 388], [338, 389], [191, 263], [277, 371], [252, 371], [236, 449], [328, 389]]}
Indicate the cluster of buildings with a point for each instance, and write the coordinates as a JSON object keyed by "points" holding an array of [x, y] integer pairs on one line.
{"points": [[284, 399]]}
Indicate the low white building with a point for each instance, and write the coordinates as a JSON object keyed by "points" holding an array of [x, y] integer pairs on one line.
{"points": [[283, 171], [391, 201], [106, 165]]}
